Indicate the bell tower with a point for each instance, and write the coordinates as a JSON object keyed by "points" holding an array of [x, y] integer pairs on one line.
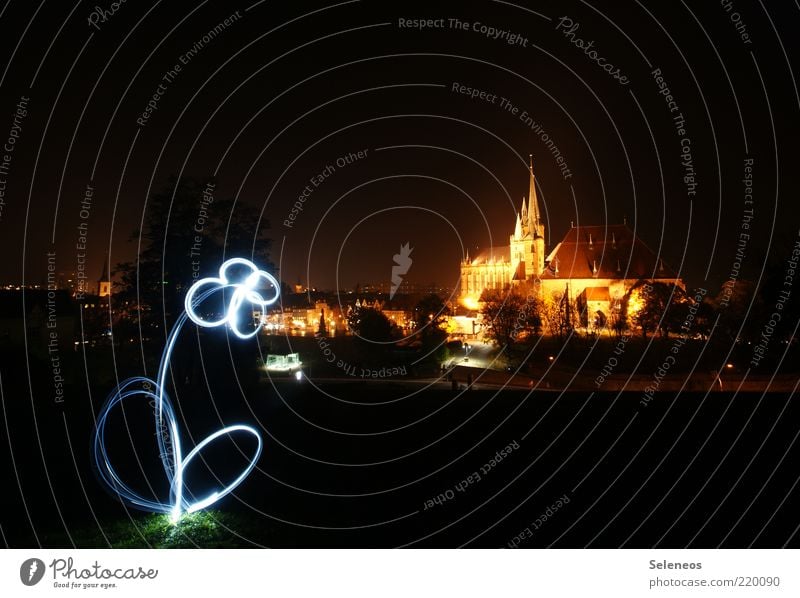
{"points": [[536, 228], [518, 244]]}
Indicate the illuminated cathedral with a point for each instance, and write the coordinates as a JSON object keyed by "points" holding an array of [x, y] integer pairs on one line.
{"points": [[593, 266]]}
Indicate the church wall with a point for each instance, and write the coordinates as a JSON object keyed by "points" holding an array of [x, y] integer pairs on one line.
{"points": [[527, 245], [476, 278]]}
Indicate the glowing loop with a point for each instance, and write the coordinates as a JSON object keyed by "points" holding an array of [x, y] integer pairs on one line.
{"points": [[243, 292], [172, 458]]}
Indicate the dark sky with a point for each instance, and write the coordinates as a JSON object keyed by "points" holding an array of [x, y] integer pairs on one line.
{"points": [[288, 88]]}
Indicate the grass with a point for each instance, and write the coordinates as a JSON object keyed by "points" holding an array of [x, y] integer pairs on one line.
{"points": [[204, 529]]}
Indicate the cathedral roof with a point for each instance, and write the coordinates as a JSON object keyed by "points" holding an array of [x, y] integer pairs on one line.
{"points": [[500, 253], [611, 251]]}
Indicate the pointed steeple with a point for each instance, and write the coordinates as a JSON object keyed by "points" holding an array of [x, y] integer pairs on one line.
{"points": [[524, 218], [518, 228], [104, 275], [104, 282], [533, 204]]}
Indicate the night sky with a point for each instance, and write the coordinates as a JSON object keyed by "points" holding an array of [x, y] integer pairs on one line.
{"points": [[341, 132], [286, 94]]}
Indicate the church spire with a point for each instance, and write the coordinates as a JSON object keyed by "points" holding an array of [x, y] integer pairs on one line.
{"points": [[526, 230], [104, 282], [104, 275], [518, 228], [533, 203]]}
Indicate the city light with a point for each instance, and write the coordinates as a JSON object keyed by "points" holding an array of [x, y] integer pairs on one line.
{"points": [[243, 292], [470, 303], [167, 434]]}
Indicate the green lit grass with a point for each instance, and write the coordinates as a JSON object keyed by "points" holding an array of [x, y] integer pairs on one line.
{"points": [[204, 529]]}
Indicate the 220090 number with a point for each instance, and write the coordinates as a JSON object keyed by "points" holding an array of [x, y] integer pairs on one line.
{"points": [[758, 581]]}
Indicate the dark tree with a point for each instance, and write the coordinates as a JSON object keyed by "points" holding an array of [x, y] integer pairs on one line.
{"points": [[509, 317], [619, 316], [430, 314], [689, 316], [559, 312], [185, 236], [740, 308], [648, 305], [370, 324]]}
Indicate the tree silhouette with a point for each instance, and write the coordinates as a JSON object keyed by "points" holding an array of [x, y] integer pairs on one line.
{"points": [[738, 305], [430, 314], [558, 313], [185, 238], [370, 324], [647, 306], [510, 317]]}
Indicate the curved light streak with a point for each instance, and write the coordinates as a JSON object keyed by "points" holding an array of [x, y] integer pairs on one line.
{"points": [[244, 292]]}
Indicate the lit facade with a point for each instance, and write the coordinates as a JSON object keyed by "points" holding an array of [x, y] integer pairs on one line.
{"points": [[596, 266]]}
